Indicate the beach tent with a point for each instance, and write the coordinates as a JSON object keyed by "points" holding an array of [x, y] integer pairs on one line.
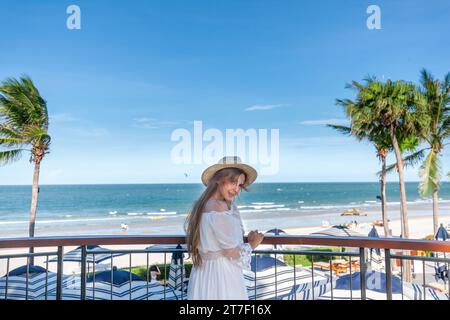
{"points": [[118, 285], [29, 282], [441, 268], [276, 280], [376, 256], [376, 288], [177, 273]]}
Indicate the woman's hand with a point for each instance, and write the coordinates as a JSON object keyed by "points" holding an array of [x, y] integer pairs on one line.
{"points": [[255, 238]]}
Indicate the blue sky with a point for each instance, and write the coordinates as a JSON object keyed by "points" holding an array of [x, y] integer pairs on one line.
{"points": [[137, 70]]}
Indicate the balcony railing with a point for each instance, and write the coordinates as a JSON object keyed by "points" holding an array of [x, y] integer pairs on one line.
{"points": [[282, 277]]}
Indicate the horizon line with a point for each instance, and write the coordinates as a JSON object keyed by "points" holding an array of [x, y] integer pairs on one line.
{"points": [[197, 183]]}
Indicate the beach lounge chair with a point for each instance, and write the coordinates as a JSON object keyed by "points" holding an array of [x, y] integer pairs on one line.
{"points": [[338, 267]]}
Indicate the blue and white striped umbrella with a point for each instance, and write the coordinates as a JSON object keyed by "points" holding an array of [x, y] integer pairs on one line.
{"points": [[276, 232], [376, 281], [338, 231], [92, 257], [376, 255], [441, 268], [30, 282], [177, 274], [442, 234], [116, 285], [286, 282]]}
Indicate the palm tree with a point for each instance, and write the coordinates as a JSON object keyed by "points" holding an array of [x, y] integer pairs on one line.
{"points": [[397, 107], [381, 142], [437, 102], [24, 127], [380, 139]]}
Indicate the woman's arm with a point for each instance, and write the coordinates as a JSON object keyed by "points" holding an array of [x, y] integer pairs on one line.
{"points": [[232, 247]]}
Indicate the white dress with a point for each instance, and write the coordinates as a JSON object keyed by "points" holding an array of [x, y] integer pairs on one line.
{"points": [[224, 256]]}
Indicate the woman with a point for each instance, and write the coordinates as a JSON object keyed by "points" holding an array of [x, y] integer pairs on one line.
{"points": [[215, 234], [154, 272]]}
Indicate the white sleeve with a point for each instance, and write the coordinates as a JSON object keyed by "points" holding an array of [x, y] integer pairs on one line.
{"points": [[232, 247]]}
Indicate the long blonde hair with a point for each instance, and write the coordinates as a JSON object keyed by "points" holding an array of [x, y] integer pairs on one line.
{"points": [[192, 223]]}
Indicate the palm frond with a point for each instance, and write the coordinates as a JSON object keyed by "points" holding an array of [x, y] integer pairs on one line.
{"points": [[430, 173], [21, 104], [409, 161], [10, 156], [342, 129], [10, 142]]}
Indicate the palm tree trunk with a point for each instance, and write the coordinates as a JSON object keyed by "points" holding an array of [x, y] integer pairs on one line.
{"points": [[383, 198], [435, 211], [403, 208], [34, 202]]}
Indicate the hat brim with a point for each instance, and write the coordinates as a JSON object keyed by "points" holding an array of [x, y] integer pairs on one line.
{"points": [[250, 172]]}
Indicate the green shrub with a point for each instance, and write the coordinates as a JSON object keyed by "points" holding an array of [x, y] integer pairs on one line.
{"points": [[306, 260]]}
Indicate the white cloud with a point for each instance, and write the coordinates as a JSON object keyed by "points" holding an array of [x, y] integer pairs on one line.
{"points": [[152, 123], [324, 122], [265, 107], [63, 117]]}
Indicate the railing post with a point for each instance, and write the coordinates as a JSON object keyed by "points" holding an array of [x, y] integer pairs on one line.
{"points": [[83, 273], [59, 273], [387, 261], [362, 273]]}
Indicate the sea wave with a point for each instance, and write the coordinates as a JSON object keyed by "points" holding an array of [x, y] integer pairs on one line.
{"points": [[264, 210], [161, 213], [262, 203], [264, 206]]}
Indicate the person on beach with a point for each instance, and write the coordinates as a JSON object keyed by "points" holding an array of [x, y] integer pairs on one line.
{"points": [[154, 272], [214, 234]]}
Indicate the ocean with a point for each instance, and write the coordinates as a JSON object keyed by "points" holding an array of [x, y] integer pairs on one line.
{"points": [[162, 208]]}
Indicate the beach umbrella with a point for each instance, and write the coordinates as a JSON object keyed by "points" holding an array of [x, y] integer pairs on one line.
{"points": [[442, 234], [276, 232], [29, 282], [91, 257], [167, 247], [285, 282], [118, 285], [338, 231], [376, 282]]}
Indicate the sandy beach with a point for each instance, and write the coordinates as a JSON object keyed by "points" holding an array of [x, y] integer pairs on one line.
{"points": [[420, 227]]}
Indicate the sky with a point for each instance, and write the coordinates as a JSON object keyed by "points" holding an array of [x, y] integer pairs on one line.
{"points": [[137, 71]]}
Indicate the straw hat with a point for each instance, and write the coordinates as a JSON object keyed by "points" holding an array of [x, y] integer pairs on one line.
{"points": [[230, 162]]}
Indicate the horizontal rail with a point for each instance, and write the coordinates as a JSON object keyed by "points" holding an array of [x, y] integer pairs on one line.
{"points": [[356, 242], [28, 255]]}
